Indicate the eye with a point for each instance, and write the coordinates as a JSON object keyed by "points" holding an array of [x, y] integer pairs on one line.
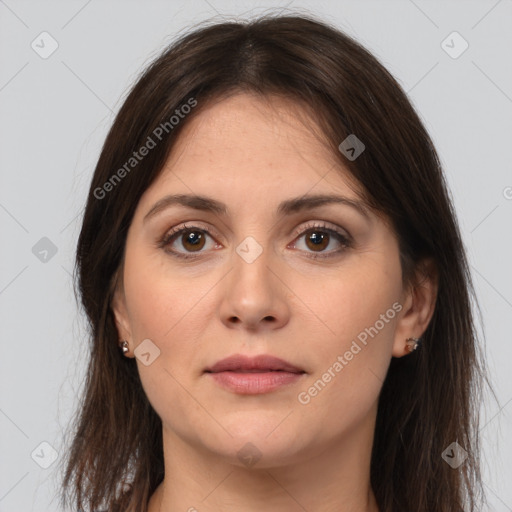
{"points": [[318, 237], [193, 239]]}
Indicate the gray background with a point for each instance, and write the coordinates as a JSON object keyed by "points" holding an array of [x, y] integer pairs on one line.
{"points": [[55, 113]]}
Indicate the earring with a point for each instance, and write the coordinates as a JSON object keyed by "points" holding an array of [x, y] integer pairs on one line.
{"points": [[124, 346], [412, 344]]}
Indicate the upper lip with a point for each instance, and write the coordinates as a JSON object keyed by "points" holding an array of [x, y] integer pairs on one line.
{"points": [[261, 362]]}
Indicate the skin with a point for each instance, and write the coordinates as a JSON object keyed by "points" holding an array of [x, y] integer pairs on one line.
{"points": [[251, 154]]}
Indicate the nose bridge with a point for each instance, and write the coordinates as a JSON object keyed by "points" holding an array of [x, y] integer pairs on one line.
{"points": [[253, 292], [251, 266]]}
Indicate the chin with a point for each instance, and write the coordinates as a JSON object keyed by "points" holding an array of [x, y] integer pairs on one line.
{"points": [[255, 444]]}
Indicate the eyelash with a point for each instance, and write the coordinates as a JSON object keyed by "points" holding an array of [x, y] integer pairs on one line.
{"points": [[344, 240]]}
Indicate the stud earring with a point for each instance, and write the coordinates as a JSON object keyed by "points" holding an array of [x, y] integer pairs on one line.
{"points": [[412, 344], [124, 346]]}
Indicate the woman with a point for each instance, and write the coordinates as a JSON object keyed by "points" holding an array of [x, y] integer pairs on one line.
{"points": [[278, 294]]}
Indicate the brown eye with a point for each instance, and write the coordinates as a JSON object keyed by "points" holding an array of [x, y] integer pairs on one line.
{"points": [[192, 240], [186, 241], [320, 241], [317, 240], [183, 242]]}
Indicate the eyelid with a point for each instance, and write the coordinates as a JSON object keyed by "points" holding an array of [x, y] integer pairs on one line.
{"points": [[189, 226], [345, 239], [165, 240], [322, 224]]}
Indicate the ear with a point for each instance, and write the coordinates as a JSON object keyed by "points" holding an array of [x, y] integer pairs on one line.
{"points": [[418, 303], [120, 311]]}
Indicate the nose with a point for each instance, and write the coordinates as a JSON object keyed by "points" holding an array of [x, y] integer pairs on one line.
{"points": [[255, 295]]}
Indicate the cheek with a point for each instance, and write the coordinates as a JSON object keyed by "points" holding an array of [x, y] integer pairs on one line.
{"points": [[173, 310], [164, 308], [149, 300], [158, 300], [357, 314], [353, 300]]}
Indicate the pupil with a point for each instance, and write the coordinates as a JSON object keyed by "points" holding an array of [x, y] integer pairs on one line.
{"points": [[193, 239], [193, 235], [318, 239]]}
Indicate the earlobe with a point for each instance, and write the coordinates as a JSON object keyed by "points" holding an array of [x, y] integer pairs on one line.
{"points": [[419, 307]]}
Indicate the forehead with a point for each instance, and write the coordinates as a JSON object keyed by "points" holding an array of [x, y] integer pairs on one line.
{"points": [[246, 142]]}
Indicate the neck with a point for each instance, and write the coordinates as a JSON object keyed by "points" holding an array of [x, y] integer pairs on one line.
{"points": [[331, 478]]}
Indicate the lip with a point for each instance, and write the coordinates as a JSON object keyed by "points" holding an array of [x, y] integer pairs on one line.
{"points": [[241, 363], [254, 375]]}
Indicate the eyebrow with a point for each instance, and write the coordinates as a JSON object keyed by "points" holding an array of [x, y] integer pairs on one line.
{"points": [[288, 207]]}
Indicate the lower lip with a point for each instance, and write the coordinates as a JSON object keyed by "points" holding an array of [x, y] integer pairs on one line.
{"points": [[255, 383]]}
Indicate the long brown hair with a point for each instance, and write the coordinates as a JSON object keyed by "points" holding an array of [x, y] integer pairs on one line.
{"points": [[429, 399]]}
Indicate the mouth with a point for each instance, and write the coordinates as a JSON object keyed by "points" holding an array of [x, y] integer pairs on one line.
{"points": [[262, 370], [259, 364], [250, 376]]}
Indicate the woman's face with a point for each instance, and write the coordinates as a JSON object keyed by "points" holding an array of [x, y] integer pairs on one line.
{"points": [[261, 270]]}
